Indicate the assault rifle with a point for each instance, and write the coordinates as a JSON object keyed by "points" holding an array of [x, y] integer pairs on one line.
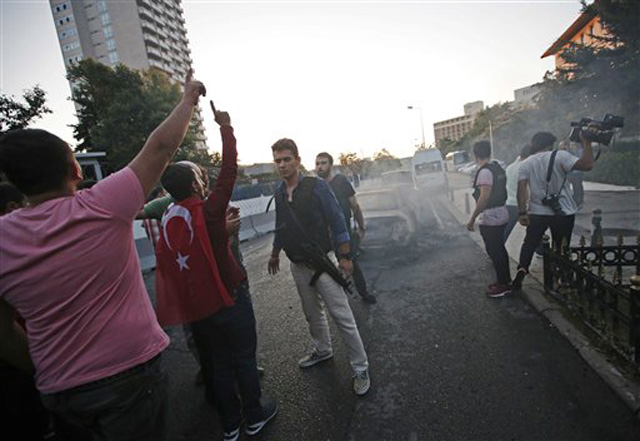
{"points": [[319, 261]]}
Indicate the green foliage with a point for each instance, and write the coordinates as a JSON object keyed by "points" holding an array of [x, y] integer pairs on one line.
{"points": [[119, 107], [620, 168], [15, 115]]}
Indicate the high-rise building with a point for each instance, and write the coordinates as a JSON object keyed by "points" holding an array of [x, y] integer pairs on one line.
{"points": [[137, 33], [454, 129]]}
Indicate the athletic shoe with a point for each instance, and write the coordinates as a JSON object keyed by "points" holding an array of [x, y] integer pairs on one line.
{"points": [[516, 284], [498, 290], [369, 298], [260, 370], [269, 409], [312, 359], [232, 435], [361, 382]]}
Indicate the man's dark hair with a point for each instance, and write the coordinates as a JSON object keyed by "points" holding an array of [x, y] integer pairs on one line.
{"points": [[86, 184], [285, 144], [541, 141], [525, 152], [34, 160], [9, 193], [482, 150], [325, 155], [178, 180]]}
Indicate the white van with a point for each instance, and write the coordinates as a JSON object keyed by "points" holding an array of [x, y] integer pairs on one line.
{"points": [[458, 159], [429, 169]]}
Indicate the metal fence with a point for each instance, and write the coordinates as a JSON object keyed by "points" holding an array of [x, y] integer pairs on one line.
{"points": [[601, 286]]}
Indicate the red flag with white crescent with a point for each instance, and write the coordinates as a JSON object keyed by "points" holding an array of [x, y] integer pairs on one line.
{"points": [[188, 284]]}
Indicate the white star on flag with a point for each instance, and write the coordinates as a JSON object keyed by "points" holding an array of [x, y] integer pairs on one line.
{"points": [[182, 261]]}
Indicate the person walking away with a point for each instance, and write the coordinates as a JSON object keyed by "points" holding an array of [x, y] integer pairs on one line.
{"points": [[544, 199], [490, 193], [346, 196], [512, 191], [306, 213]]}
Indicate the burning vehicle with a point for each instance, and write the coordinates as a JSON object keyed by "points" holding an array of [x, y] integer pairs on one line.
{"points": [[391, 210]]}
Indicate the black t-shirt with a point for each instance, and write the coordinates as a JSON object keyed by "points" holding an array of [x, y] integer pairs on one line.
{"points": [[343, 190]]}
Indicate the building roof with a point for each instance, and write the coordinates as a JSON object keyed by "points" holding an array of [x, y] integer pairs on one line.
{"points": [[572, 30]]}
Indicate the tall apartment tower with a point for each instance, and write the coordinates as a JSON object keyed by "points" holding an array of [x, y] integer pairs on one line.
{"points": [[137, 33]]}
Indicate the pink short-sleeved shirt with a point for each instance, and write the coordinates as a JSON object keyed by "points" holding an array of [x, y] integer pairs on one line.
{"points": [[69, 266]]}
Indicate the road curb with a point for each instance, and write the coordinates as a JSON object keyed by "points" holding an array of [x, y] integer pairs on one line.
{"points": [[623, 384]]}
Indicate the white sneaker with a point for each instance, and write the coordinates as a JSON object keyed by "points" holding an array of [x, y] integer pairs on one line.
{"points": [[361, 382]]}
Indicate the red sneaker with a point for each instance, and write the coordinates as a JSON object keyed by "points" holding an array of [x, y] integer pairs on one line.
{"points": [[498, 290]]}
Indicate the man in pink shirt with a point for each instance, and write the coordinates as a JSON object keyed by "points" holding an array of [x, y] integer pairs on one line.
{"points": [[69, 267]]}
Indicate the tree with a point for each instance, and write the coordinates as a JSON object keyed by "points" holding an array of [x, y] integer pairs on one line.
{"points": [[119, 107], [15, 115], [352, 163], [383, 161]]}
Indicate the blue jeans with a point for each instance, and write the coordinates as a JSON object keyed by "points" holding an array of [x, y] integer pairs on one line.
{"points": [[227, 343], [129, 406], [514, 216]]}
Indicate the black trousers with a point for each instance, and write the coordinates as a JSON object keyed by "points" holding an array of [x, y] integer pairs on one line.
{"points": [[561, 228], [493, 237], [358, 277]]}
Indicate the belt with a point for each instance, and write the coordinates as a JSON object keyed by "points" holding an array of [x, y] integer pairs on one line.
{"points": [[92, 384]]}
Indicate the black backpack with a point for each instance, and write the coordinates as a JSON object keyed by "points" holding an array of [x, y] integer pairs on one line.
{"points": [[498, 195]]}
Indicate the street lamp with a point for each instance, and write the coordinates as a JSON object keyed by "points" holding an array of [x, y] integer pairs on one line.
{"points": [[424, 144]]}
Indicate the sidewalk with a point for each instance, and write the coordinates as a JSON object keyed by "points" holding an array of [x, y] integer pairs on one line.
{"points": [[625, 387], [598, 186]]}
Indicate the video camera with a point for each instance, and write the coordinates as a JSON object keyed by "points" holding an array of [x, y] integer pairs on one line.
{"points": [[601, 131]]}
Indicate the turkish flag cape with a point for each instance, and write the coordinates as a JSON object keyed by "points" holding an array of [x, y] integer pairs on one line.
{"points": [[188, 284]]}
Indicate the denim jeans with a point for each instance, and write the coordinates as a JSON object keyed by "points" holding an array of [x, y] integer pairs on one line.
{"points": [[514, 216], [129, 406], [227, 343]]}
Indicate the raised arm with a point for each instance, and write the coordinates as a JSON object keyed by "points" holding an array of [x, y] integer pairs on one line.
{"points": [[585, 163], [163, 142], [218, 200]]}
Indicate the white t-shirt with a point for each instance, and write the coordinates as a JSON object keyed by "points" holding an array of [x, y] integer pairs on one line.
{"points": [[534, 170], [512, 182]]}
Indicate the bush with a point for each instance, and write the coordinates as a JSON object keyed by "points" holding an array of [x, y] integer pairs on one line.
{"points": [[617, 168]]}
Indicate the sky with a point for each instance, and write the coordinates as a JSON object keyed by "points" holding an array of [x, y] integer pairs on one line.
{"points": [[334, 76]]}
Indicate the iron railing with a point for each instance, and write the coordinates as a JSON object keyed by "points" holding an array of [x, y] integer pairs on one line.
{"points": [[601, 286]]}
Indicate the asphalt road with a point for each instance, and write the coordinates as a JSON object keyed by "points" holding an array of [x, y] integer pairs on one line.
{"points": [[447, 363]]}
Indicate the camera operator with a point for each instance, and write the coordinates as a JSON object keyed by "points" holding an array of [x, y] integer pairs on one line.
{"points": [[542, 185]]}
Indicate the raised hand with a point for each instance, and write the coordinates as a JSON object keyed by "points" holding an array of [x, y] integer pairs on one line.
{"points": [[222, 118], [193, 89]]}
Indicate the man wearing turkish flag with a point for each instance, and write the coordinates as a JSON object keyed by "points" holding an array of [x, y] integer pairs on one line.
{"points": [[200, 282], [189, 287]]}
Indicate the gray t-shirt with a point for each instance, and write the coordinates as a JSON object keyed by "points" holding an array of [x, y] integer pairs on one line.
{"points": [[534, 170]]}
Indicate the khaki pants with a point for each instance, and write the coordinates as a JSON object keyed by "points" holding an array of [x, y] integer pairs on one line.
{"points": [[326, 292]]}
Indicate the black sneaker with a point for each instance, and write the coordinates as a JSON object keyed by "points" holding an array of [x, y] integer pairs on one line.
{"points": [[232, 435], [369, 298], [516, 285], [269, 409]]}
